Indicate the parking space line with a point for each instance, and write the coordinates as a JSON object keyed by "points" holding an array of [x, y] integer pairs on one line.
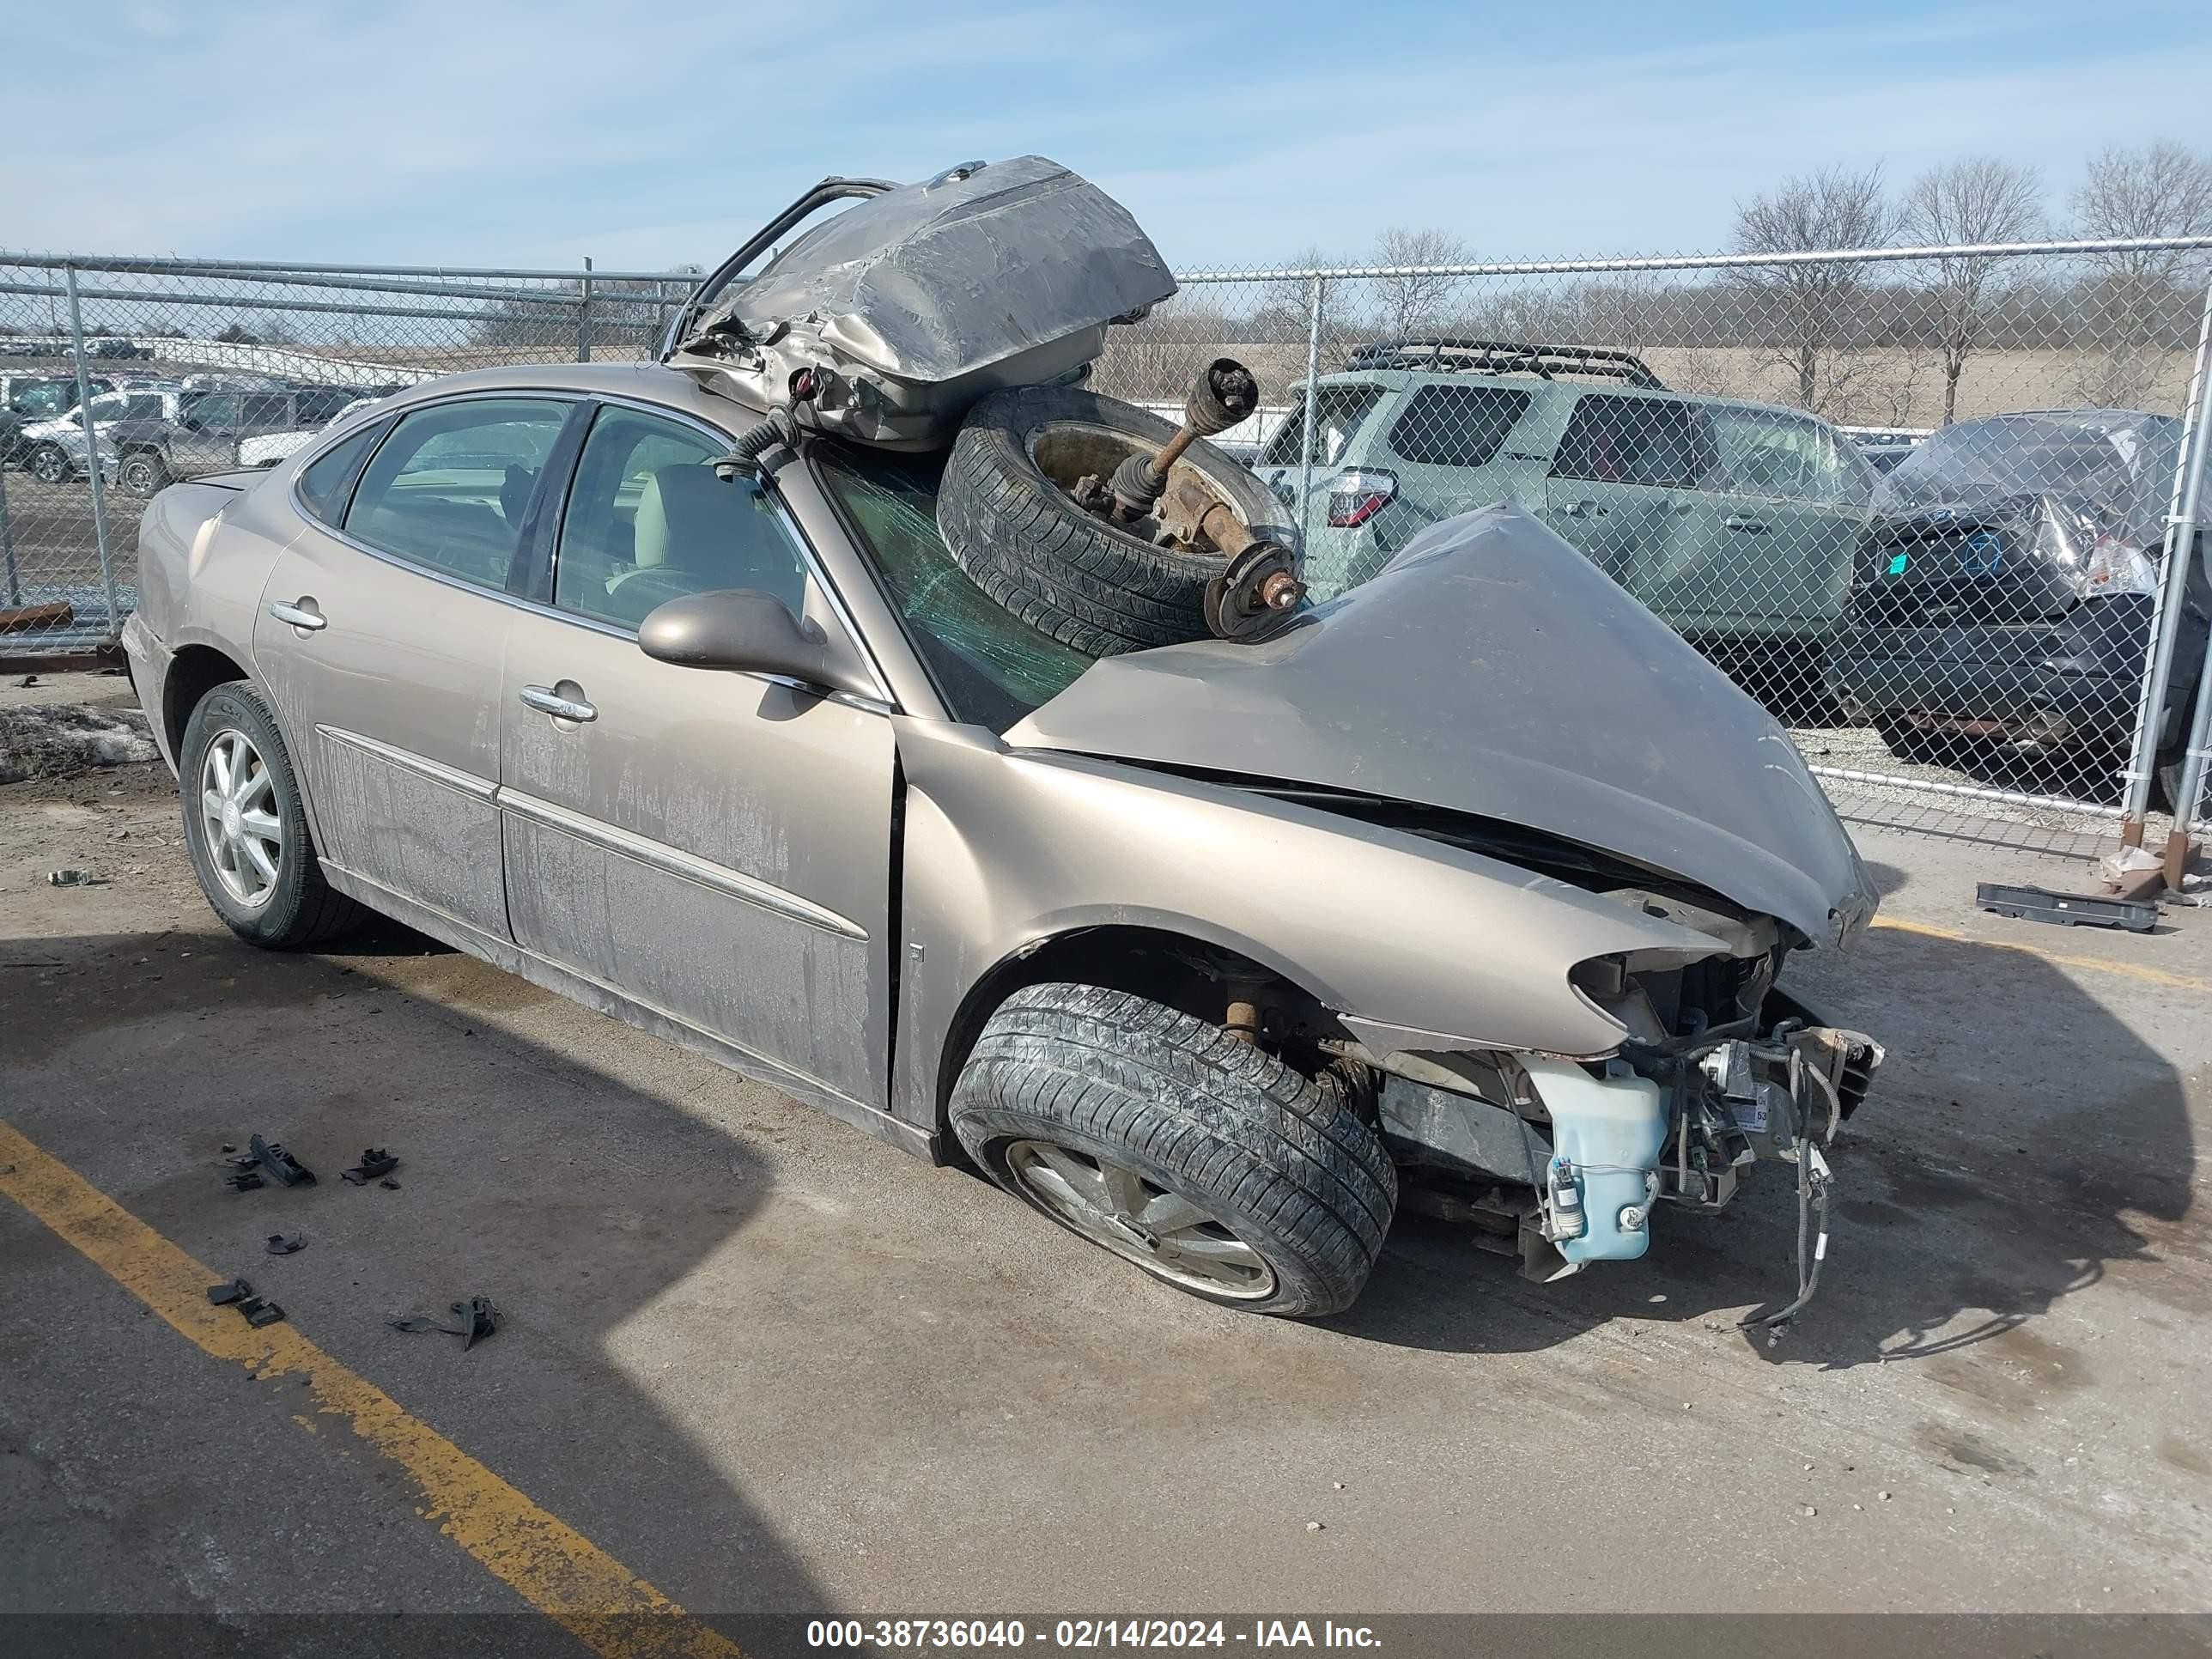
{"points": [[2061, 958], [555, 1568]]}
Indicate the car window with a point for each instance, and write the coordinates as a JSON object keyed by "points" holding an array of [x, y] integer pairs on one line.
{"points": [[143, 407], [1786, 457], [1641, 440], [266, 411], [44, 398], [213, 413], [323, 481], [1337, 414], [648, 521], [992, 667], [1457, 425], [448, 489], [107, 409]]}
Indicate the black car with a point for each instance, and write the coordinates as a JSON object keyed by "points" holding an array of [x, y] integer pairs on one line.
{"points": [[2006, 594]]}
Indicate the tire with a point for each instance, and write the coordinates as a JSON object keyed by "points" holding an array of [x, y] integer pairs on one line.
{"points": [[143, 473], [295, 908], [49, 464], [1254, 1188], [1024, 541], [1912, 743]]}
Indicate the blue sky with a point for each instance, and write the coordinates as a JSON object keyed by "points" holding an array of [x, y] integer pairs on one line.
{"points": [[537, 133]]}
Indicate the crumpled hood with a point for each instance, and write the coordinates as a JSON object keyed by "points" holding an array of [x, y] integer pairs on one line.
{"points": [[1491, 668]]}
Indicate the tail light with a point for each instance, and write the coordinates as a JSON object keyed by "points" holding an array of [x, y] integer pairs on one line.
{"points": [[2114, 567], [1357, 494]]}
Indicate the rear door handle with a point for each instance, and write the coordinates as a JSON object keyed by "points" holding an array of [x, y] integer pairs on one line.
{"points": [[301, 614], [1749, 527], [546, 700], [1585, 510]]}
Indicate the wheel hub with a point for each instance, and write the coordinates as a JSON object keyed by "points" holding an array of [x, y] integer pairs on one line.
{"points": [[1127, 1212]]}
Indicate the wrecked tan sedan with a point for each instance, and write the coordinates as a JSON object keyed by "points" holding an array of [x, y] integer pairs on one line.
{"points": [[1466, 891]]}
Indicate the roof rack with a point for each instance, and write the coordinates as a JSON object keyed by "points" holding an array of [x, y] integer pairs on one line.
{"points": [[1462, 357]]}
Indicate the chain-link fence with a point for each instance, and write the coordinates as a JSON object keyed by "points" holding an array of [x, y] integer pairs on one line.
{"points": [[171, 368], [1920, 502], [1837, 474]]}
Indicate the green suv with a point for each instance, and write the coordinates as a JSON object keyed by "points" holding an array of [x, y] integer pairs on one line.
{"points": [[1735, 523]]}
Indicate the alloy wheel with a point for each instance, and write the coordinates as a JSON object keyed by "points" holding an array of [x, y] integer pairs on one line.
{"points": [[1136, 1217], [244, 831]]}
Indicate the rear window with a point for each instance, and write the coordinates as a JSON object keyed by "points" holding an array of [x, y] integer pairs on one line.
{"points": [[326, 480], [1638, 441], [1337, 415], [1457, 425]]}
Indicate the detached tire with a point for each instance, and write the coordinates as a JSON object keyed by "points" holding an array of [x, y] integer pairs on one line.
{"points": [[1024, 541], [1205, 1160], [246, 828]]}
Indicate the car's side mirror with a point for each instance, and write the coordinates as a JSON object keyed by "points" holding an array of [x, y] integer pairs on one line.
{"points": [[743, 629]]}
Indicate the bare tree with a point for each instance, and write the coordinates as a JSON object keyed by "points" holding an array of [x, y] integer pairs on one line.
{"points": [[1980, 199], [1811, 304], [1417, 301], [2162, 190]]}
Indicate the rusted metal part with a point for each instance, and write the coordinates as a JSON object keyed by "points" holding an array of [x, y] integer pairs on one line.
{"points": [[1224, 394], [1257, 595], [59, 614], [1242, 1022]]}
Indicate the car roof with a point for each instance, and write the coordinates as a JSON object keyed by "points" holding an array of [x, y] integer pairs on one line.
{"points": [[652, 382], [1401, 379]]}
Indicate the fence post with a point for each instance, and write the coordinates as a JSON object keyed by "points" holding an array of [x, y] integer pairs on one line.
{"points": [[1317, 292], [584, 317], [7, 546], [2167, 604], [92, 456]]}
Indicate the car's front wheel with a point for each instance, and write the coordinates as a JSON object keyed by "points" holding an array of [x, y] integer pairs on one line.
{"points": [[246, 828], [143, 473], [49, 465], [1206, 1161]]}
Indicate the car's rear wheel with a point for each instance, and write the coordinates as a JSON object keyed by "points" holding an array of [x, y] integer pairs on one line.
{"points": [[143, 473], [1209, 1163], [49, 465], [246, 828]]}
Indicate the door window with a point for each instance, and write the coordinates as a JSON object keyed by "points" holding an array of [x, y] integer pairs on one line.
{"points": [[648, 521], [447, 490], [1786, 457], [1457, 425], [1637, 440], [212, 414]]}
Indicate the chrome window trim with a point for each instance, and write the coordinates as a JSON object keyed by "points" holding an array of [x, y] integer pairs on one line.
{"points": [[882, 703], [674, 861]]}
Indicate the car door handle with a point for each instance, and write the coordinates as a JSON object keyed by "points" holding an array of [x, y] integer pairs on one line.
{"points": [[546, 700], [1585, 510], [1749, 527], [298, 614]]}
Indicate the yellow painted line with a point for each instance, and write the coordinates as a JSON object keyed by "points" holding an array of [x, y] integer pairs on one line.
{"points": [[2061, 958], [555, 1568]]}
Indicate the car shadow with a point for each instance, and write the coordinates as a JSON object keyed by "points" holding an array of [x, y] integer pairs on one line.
{"points": [[2022, 1142], [574, 1199]]}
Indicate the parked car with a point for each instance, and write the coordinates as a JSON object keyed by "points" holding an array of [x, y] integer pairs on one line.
{"points": [[675, 700], [1884, 447], [271, 448], [148, 438], [28, 399], [2008, 593], [1736, 523]]}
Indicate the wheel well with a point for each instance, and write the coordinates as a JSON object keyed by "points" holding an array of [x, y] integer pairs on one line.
{"points": [[1192, 976], [193, 672]]}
